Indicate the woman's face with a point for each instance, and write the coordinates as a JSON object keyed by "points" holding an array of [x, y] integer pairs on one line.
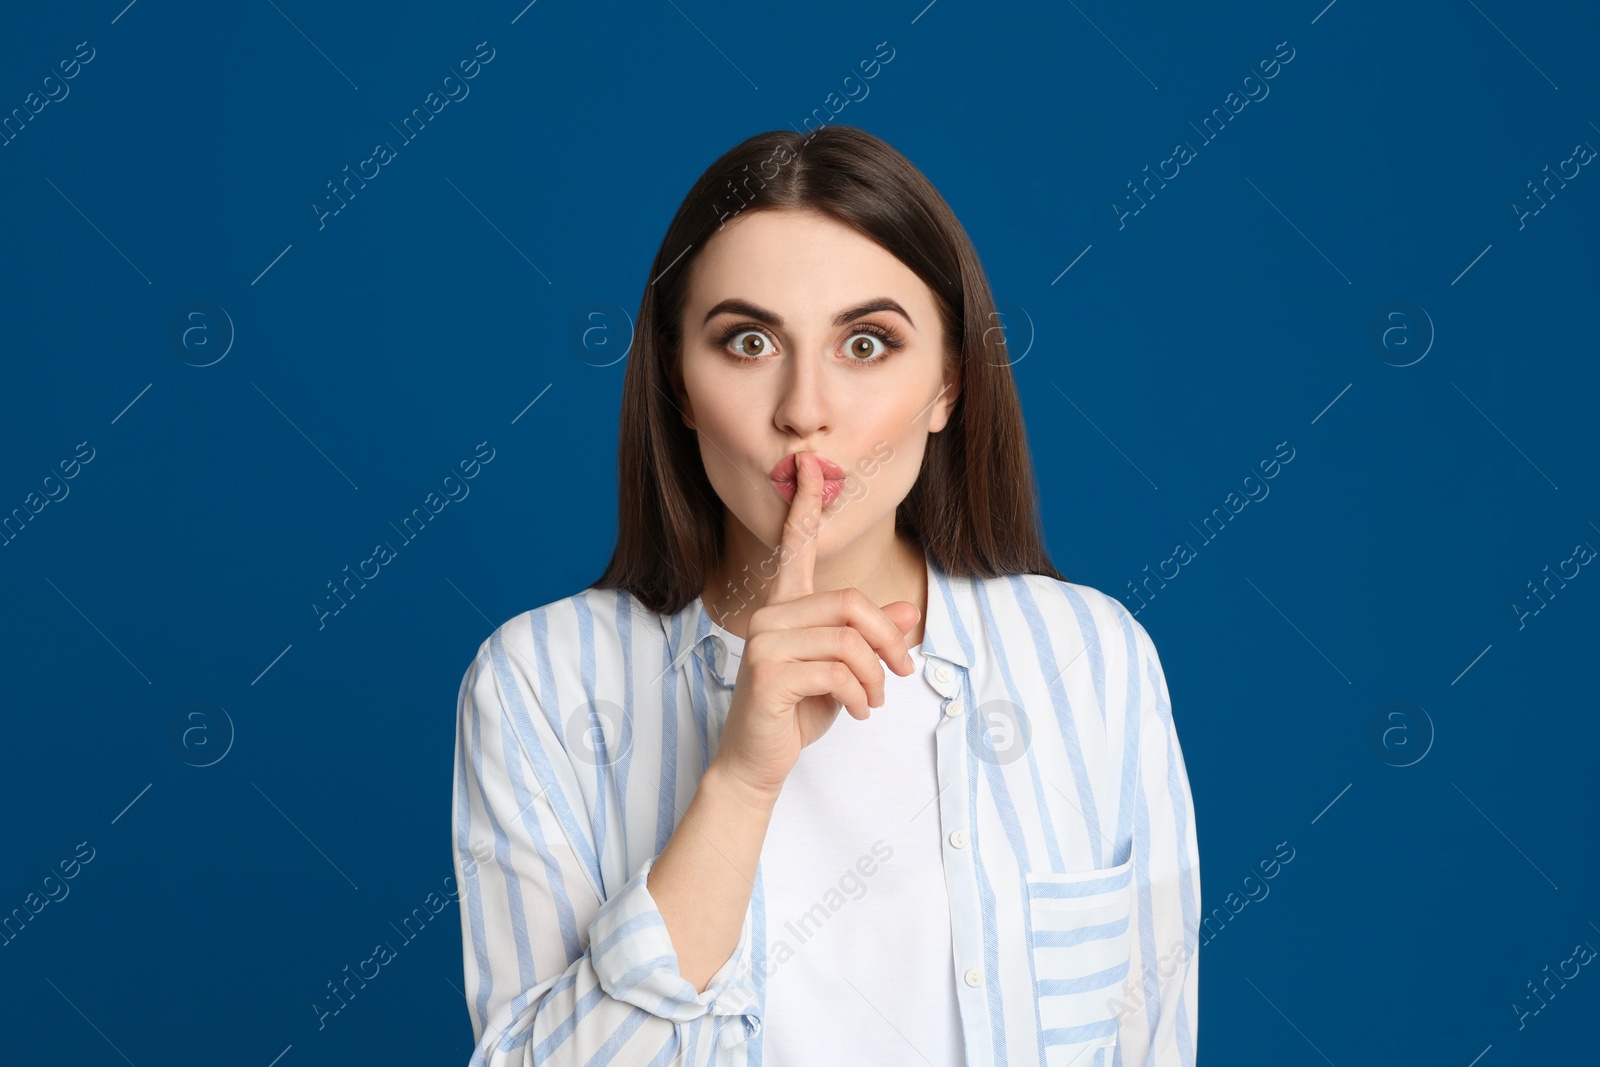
{"points": [[800, 334]]}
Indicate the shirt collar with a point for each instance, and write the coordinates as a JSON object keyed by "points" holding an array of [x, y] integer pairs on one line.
{"points": [[947, 632]]}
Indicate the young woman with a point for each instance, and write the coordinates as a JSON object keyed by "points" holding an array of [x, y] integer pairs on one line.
{"points": [[671, 848]]}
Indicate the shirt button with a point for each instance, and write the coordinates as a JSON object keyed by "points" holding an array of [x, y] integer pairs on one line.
{"points": [[942, 673], [958, 839], [953, 708], [974, 977]]}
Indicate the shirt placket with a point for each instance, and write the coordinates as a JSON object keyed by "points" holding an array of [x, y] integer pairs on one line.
{"points": [[952, 683]]}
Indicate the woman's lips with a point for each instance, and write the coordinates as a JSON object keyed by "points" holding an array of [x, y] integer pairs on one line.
{"points": [[785, 469], [830, 490], [784, 475]]}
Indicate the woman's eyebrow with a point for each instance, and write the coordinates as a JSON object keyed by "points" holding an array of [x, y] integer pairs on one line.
{"points": [[772, 318]]}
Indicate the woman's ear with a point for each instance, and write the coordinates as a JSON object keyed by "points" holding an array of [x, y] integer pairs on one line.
{"points": [[681, 398], [945, 404]]}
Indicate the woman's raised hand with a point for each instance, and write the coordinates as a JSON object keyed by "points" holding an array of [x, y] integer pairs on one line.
{"points": [[805, 654]]}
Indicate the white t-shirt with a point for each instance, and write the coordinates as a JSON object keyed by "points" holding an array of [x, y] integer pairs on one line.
{"points": [[859, 959]]}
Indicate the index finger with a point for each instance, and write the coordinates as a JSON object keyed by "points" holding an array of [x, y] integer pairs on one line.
{"points": [[797, 551]]}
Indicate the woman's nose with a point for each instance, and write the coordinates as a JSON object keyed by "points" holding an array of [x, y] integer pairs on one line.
{"points": [[802, 407]]}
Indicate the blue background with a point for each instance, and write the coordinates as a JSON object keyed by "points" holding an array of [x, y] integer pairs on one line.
{"points": [[266, 798]]}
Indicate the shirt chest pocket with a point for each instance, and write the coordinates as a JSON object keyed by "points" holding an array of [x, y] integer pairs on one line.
{"points": [[1081, 951]]}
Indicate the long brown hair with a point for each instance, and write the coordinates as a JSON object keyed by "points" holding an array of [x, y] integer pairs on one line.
{"points": [[973, 506]]}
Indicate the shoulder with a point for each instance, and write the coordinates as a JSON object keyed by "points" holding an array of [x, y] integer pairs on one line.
{"points": [[594, 624], [1073, 618], [1057, 602], [536, 672], [1119, 652]]}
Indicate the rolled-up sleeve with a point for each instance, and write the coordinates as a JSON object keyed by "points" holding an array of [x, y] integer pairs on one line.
{"points": [[556, 972], [1160, 1023]]}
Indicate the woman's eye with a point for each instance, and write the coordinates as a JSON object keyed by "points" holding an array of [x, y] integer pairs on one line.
{"points": [[865, 346], [749, 343]]}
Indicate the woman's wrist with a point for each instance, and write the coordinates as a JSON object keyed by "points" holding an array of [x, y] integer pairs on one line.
{"points": [[725, 782]]}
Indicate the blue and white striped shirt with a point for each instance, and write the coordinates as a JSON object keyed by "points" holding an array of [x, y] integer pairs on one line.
{"points": [[1069, 849]]}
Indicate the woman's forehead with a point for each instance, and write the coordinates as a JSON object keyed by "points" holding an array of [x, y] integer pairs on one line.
{"points": [[799, 264]]}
